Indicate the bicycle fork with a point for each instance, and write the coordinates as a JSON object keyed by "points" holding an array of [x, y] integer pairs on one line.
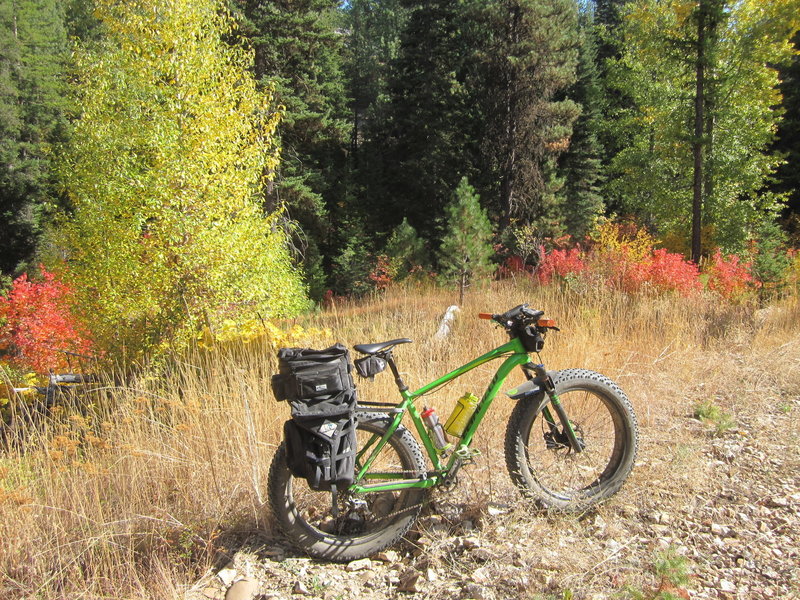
{"points": [[545, 382]]}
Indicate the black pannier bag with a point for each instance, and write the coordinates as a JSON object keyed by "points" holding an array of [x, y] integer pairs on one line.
{"points": [[321, 436]]}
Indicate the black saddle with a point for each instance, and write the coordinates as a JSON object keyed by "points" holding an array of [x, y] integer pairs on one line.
{"points": [[380, 346]]}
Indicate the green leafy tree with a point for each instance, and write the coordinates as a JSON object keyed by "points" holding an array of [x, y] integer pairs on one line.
{"points": [[466, 250], [702, 81], [163, 172], [33, 54]]}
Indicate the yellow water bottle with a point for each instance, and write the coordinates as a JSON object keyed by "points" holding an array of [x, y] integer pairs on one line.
{"points": [[462, 413]]}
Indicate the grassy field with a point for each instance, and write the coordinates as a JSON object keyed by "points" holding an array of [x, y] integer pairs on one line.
{"points": [[135, 499]]}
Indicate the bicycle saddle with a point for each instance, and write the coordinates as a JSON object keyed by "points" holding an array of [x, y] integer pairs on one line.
{"points": [[380, 346]]}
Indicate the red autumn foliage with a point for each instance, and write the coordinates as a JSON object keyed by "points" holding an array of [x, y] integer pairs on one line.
{"points": [[560, 263], [513, 265], [381, 275], [664, 271], [728, 276], [36, 323], [660, 270]]}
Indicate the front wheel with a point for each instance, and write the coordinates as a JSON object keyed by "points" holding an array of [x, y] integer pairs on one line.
{"points": [[541, 461], [365, 524]]}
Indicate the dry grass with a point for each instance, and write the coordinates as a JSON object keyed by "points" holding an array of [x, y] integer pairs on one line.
{"points": [[134, 500]]}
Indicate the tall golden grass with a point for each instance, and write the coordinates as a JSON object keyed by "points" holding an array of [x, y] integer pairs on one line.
{"points": [[135, 498]]}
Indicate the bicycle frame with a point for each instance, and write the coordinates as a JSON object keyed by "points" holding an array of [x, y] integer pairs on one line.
{"points": [[516, 356]]}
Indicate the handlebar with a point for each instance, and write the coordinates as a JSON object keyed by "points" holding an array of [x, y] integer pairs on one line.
{"points": [[72, 378], [520, 316]]}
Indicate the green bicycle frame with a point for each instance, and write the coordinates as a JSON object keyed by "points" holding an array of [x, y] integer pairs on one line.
{"points": [[516, 356]]}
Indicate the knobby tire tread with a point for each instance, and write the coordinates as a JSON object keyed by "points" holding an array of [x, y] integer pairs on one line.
{"points": [[521, 427], [315, 543]]}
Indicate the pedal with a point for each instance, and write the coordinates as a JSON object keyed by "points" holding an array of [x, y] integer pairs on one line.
{"points": [[466, 453]]}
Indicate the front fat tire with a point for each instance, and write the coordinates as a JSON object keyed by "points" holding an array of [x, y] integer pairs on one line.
{"points": [[556, 477], [343, 548]]}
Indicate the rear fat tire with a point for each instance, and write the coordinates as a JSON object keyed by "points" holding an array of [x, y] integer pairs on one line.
{"points": [[310, 539], [556, 477]]}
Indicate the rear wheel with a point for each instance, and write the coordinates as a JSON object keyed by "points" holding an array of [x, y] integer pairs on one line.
{"points": [[366, 523], [543, 464]]}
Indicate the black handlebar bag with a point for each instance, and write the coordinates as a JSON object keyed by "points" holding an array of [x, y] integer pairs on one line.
{"points": [[321, 435]]}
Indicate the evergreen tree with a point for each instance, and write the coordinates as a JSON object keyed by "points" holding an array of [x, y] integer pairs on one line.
{"points": [[788, 139], [581, 165], [607, 18], [406, 250], [770, 262], [466, 249], [298, 50], [530, 61], [373, 28], [428, 140], [33, 53]]}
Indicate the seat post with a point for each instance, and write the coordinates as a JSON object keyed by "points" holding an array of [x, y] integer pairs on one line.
{"points": [[387, 356]]}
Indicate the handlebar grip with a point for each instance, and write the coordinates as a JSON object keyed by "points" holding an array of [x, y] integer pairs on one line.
{"points": [[73, 378], [487, 316]]}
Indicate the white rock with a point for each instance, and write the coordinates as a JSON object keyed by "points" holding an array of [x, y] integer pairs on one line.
{"points": [[244, 589], [300, 589], [359, 565], [389, 556], [226, 576], [481, 575]]}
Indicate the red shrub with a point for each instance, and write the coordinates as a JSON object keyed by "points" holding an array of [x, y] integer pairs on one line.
{"points": [[560, 263], [659, 270], [670, 271], [382, 275], [513, 265], [37, 323], [728, 276]]}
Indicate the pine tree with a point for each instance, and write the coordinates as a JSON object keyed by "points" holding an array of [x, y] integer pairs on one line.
{"points": [[373, 41], [787, 180], [530, 61], [406, 250], [33, 54], [299, 50], [428, 140], [581, 166], [770, 262], [466, 250]]}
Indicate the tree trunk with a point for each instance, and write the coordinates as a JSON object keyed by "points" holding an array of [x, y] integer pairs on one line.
{"points": [[697, 141], [508, 181]]}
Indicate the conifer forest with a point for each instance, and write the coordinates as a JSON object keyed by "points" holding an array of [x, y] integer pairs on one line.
{"points": [[181, 164]]}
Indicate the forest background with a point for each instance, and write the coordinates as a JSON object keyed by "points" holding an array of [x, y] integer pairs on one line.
{"points": [[196, 183], [176, 167]]}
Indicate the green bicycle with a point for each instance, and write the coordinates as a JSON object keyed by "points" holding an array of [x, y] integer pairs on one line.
{"points": [[570, 443]]}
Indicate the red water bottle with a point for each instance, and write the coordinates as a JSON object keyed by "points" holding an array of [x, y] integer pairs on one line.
{"points": [[437, 433]]}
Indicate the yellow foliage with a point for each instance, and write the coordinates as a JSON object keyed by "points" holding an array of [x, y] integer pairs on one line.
{"points": [[164, 171], [623, 238], [261, 331]]}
